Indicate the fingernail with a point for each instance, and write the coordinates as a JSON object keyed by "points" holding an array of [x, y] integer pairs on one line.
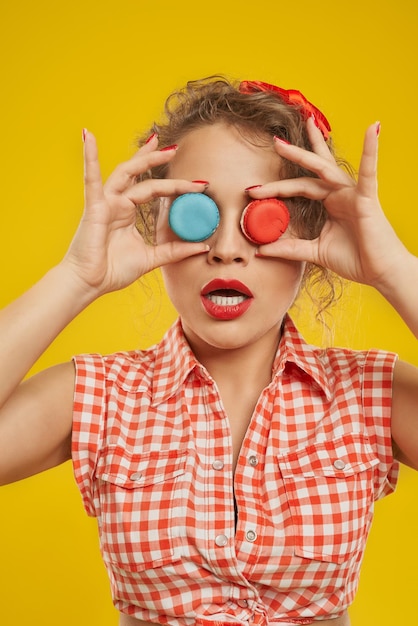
{"points": [[315, 121], [201, 182], [84, 134], [151, 137], [204, 250], [378, 128], [173, 147], [247, 189], [280, 140]]}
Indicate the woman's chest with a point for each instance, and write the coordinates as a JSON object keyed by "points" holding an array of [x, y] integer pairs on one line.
{"points": [[178, 493]]}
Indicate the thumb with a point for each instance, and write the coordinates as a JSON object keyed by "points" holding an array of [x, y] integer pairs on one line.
{"points": [[174, 251], [291, 249]]}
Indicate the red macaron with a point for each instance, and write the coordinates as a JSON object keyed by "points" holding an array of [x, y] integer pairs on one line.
{"points": [[264, 221]]}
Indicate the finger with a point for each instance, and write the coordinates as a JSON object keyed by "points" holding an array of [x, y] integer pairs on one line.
{"points": [[145, 159], [292, 249], [367, 175], [174, 251], [325, 168], [150, 144], [317, 140], [93, 186], [311, 188], [162, 188]]}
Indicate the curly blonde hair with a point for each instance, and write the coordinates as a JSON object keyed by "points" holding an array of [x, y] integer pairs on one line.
{"points": [[259, 116]]}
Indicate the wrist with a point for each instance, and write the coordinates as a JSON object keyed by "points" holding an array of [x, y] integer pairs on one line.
{"points": [[85, 290], [399, 289], [398, 278], [75, 288]]}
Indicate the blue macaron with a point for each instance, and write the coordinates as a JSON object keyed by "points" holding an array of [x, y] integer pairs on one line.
{"points": [[193, 217]]}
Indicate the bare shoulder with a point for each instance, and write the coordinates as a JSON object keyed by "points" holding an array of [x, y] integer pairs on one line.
{"points": [[405, 413], [35, 424]]}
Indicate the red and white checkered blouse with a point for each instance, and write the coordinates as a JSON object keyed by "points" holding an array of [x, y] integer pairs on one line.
{"points": [[153, 460]]}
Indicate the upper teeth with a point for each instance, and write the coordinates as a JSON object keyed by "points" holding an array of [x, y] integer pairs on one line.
{"points": [[226, 300]]}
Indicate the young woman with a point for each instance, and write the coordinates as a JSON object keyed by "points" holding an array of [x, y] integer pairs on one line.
{"points": [[232, 468]]}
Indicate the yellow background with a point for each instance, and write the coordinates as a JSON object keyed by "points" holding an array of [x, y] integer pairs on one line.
{"points": [[107, 66]]}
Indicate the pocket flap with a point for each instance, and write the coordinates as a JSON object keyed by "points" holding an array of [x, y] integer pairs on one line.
{"points": [[132, 471], [341, 457]]}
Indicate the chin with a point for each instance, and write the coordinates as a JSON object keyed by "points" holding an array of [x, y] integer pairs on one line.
{"points": [[229, 335]]}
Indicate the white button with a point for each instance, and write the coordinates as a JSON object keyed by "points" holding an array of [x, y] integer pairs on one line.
{"points": [[221, 541], [251, 535], [339, 464], [253, 461], [136, 476], [218, 464], [242, 603]]}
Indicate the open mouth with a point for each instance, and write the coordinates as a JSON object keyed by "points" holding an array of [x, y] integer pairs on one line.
{"points": [[226, 299]]}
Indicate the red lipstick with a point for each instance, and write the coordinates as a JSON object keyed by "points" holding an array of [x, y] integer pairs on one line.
{"points": [[226, 299]]}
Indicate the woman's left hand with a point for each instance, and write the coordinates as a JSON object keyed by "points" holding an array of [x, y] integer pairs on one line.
{"points": [[357, 241]]}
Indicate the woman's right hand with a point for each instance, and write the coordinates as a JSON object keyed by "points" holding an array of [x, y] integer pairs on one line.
{"points": [[107, 252]]}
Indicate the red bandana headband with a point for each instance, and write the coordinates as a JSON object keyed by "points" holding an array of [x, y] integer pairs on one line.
{"points": [[292, 97]]}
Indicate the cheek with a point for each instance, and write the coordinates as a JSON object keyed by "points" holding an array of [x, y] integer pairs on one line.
{"points": [[300, 267], [287, 273], [176, 276], [298, 270], [179, 285], [170, 283], [285, 282]]}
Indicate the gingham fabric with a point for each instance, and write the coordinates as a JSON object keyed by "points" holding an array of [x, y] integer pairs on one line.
{"points": [[153, 460]]}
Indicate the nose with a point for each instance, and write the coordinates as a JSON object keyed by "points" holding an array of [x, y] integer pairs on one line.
{"points": [[228, 244]]}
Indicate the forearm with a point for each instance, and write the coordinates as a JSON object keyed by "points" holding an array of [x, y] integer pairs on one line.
{"points": [[30, 323], [401, 291]]}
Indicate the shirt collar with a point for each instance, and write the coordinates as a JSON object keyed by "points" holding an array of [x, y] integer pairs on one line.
{"points": [[175, 361], [309, 359]]}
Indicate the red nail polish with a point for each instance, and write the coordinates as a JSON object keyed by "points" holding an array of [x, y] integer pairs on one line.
{"points": [[201, 182], [151, 137], [281, 140], [378, 128], [84, 134], [315, 121], [252, 187], [173, 147]]}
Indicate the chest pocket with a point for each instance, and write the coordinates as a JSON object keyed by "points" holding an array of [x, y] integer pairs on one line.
{"points": [[329, 489], [137, 495]]}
